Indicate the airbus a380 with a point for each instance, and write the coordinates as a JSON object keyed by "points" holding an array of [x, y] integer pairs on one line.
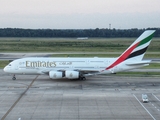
{"points": [[79, 68]]}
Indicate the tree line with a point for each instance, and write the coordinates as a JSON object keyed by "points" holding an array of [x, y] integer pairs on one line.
{"points": [[108, 33]]}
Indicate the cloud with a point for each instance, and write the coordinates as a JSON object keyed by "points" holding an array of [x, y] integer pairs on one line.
{"points": [[79, 13], [78, 6], [83, 21]]}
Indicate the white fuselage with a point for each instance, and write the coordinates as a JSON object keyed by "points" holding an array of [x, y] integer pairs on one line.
{"points": [[43, 65]]}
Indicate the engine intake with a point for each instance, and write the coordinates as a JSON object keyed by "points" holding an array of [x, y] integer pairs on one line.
{"points": [[55, 75], [71, 74]]}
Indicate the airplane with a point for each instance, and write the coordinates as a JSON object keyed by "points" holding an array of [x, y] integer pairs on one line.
{"points": [[80, 68]]}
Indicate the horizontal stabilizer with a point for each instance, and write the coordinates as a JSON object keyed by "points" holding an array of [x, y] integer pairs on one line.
{"points": [[138, 63]]}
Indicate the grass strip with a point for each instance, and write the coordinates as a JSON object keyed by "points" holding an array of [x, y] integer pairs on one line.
{"points": [[4, 63]]}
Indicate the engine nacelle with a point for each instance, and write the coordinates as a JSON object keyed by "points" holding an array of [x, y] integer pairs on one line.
{"points": [[55, 75], [71, 74]]}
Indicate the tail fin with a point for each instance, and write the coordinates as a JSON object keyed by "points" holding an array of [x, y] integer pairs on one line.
{"points": [[136, 50]]}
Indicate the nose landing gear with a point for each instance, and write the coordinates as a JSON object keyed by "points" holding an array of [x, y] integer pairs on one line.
{"points": [[14, 77]]}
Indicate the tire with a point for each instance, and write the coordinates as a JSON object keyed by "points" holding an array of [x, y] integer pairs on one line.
{"points": [[14, 78]]}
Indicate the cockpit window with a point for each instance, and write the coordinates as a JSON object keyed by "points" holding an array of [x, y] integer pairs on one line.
{"points": [[9, 65]]}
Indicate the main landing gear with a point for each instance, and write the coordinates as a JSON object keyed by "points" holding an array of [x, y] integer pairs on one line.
{"points": [[82, 78], [14, 77]]}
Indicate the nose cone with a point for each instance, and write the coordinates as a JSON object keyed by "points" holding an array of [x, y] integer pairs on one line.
{"points": [[5, 69]]}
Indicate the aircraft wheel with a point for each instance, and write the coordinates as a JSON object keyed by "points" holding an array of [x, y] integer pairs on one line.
{"points": [[83, 78], [80, 78], [14, 78]]}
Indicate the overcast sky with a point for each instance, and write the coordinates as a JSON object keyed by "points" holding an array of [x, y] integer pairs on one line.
{"points": [[79, 14]]}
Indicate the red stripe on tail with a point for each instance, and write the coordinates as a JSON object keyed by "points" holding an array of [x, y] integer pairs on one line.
{"points": [[123, 56]]}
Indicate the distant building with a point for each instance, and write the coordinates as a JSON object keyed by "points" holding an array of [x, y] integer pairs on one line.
{"points": [[82, 38]]}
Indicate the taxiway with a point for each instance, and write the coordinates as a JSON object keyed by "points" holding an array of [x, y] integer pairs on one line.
{"points": [[98, 98]]}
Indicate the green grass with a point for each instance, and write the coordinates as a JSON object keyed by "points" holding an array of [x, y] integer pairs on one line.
{"points": [[85, 55], [139, 74], [3, 63], [115, 54], [153, 66], [70, 44]]}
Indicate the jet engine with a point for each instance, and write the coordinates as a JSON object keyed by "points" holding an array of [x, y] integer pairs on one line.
{"points": [[71, 74], [55, 75]]}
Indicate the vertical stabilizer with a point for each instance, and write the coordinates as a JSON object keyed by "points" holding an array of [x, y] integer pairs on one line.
{"points": [[136, 50]]}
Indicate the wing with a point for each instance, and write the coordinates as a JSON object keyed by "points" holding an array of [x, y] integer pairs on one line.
{"points": [[83, 72]]}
